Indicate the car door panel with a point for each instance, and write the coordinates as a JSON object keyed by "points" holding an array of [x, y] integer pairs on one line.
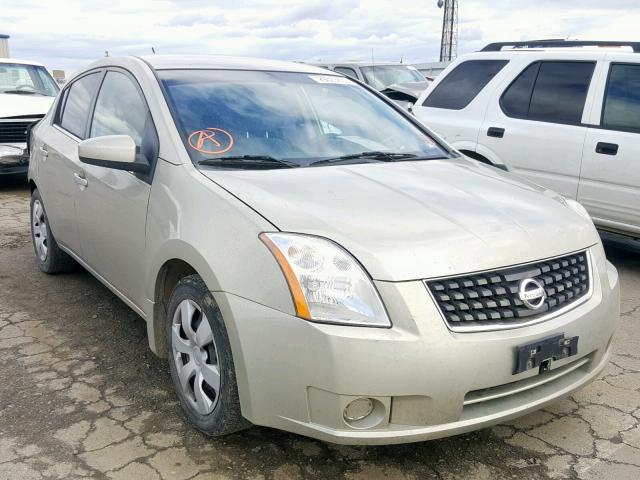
{"points": [[610, 176], [60, 192], [112, 210]]}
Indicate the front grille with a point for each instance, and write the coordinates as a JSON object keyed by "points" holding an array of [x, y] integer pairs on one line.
{"points": [[490, 298], [14, 132]]}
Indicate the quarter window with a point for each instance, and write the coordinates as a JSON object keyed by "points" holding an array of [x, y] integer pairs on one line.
{"points": [[463, 84], [549, 92], [78, 103], [119, 109], [622, 100]]}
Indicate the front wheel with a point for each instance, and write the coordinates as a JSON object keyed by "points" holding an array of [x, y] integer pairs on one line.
{"points": [[200, 360]]}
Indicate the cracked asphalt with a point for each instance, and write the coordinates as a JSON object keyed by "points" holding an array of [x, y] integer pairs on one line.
{"points": [[81, 396]]}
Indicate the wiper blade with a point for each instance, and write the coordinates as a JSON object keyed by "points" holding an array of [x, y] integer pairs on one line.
{"points": [[374, 155], [20, 92], [248, 161]]}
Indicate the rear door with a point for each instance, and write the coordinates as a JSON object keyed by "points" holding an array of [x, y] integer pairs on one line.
{"points": [[535, 125], [112, 210], [610, 177], [59, 170]]}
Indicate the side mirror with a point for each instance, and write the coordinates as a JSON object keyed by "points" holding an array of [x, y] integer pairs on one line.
{"points": [[111, 151]]}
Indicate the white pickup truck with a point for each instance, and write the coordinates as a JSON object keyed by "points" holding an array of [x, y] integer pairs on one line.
{"points": [[27, 91]]}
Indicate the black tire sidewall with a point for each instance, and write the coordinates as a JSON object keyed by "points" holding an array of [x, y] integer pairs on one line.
{"points": [[226, 417]]}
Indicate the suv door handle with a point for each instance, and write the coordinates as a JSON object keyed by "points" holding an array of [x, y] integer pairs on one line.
{"points": [[495, 132], [44, 152], [607, 148], [80, 179]]}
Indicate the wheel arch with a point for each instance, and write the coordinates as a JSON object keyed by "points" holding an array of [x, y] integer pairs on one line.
{"points": [[174, 261]]}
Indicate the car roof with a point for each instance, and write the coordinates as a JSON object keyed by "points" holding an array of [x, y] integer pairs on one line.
{"points": [[358, 63], [21, 62], [166, 62]]}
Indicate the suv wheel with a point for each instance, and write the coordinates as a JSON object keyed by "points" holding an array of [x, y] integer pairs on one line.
{"points": [[200, 360], [49, 257]]}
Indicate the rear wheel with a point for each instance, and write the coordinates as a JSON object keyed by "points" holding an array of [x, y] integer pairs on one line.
{"points": [[49, 257], [200, 360]]}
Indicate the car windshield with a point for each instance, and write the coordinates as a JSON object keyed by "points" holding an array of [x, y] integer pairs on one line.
{"points": [[17, 78], [381, 76], [279, 119]]}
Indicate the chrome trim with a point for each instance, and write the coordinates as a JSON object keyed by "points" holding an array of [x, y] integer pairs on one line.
{"points": [[509, 325]]}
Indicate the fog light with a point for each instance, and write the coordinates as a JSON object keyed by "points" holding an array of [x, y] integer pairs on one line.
{"points": [[359, 409]]}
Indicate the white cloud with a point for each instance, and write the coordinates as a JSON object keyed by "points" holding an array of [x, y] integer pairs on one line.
{"points": [[69, 34]]}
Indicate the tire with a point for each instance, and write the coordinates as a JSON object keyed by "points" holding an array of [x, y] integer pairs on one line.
{"points": [[49, 257], [198, 347]]}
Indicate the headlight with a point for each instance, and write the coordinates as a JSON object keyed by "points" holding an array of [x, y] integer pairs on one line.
{"points": [[578, 208], [327, 284]]}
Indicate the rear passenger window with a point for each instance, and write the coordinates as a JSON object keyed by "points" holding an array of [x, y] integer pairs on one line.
{"points": [[552, 92], [77, 104], [515, 100], [622, 99], [463, 84]]}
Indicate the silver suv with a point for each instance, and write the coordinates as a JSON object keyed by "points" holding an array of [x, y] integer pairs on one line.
{"points": [[309, 257]]}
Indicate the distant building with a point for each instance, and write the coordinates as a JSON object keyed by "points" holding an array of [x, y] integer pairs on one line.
{"points": [[4, 46]]}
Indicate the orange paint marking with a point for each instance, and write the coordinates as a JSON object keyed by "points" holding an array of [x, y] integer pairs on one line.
{"points": [[212, 141]]}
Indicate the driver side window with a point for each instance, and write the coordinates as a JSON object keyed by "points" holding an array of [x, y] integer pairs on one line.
{"points": [[119, 109]]}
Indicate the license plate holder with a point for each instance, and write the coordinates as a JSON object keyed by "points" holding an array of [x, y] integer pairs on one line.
{"points": [[540, 353]]}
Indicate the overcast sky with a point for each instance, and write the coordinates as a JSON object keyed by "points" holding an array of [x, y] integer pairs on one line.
{"points": [[68, 34]]}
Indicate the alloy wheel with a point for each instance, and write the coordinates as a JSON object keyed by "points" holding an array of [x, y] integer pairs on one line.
{"points": [[195, 356], [39, 223]]}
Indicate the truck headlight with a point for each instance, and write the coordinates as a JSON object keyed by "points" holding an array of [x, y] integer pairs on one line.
{"points": [[327, 284]]}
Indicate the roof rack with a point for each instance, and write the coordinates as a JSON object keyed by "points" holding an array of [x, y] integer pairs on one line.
{"points": [[559, 43]]}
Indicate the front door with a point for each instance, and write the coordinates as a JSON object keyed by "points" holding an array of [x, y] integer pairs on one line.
{"points": [[112, 211], [610, 178]]}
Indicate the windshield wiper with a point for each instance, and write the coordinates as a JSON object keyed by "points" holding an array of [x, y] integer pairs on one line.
{"points": [[248, 161], [20, 92], [374, 155]]}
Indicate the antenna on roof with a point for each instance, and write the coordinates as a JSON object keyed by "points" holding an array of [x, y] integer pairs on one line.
{"points": [[106, 53], [153, 50]]}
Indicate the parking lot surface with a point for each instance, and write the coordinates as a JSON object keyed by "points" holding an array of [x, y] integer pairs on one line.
{"points": [[82, 396]]}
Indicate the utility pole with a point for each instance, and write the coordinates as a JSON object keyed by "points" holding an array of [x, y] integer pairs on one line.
{"points": [[449, 41]]}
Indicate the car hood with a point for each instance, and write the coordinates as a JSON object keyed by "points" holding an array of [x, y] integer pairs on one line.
{"points": [[413, 89], [420, 219], [16, 105]]}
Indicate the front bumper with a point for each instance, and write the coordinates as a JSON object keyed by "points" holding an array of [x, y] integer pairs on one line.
{"points": [[425, 380], [14, 159]]}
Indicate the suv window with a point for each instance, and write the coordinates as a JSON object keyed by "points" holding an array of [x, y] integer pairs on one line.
{"points": [[350, 72], [622, 99], [463, 84], [550, 92], [120, 110], [77, 104]]}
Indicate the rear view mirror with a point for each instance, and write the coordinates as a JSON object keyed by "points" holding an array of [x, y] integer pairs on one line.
{"points": [[111, 151]]}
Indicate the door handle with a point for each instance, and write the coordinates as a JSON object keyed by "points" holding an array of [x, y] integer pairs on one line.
{"points": [[80, 180], [44, 152], [607, 148], [495, 132]]}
